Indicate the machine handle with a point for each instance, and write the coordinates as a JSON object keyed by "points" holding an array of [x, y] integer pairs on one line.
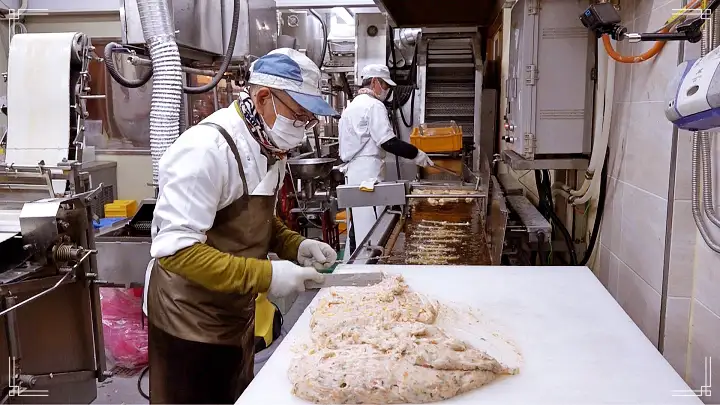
{"points": [[86, 196], [34, 297]]}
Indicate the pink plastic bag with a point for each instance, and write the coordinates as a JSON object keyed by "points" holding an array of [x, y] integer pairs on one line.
{"points": [[126, 340]]}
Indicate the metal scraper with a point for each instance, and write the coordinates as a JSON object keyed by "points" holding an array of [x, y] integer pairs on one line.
{"points": [[345, 280]]}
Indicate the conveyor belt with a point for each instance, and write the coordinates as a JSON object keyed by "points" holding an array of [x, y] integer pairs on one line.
{"points": [[450, 82], [435, 233]]}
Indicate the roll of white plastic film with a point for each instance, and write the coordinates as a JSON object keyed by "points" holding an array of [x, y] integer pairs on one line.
{"points": [[39, 100]]}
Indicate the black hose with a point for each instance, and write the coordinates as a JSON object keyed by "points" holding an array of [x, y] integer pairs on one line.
{"points": [[542, 181], [540, 247], [396, 128], [412, 109], [566, 235], [542, 201], [598, 213], [346, 86], [125, 82], [227, 58], [139, 382], [402, 97], [325, 36]]}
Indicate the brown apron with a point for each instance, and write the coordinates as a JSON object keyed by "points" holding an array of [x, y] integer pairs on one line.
{"points": [[201, 341]]}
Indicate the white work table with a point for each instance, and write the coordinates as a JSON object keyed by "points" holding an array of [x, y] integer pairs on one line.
{"points": [[578, 345]]}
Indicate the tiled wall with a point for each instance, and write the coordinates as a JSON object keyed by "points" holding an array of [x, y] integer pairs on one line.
{"points": [[643, 214]]}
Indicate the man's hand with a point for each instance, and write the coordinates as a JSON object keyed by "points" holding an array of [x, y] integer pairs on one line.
{"points": [[287, 277], [313, 253], [423, 160]]}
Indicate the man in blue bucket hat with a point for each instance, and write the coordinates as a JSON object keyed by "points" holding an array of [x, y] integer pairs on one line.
{"points": [[213, 226]]}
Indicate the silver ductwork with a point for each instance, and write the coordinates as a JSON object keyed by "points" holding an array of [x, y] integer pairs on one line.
{"points": [[167, 88]]}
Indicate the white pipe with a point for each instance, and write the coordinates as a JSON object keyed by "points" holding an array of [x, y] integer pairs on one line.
{"points": [[603, 118], [602, 84]]}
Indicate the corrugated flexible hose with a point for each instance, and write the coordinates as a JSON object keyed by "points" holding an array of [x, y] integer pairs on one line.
{"points": [[167, 78], [701, 163]]}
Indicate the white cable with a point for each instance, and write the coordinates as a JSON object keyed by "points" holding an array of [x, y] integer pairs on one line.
{"points": [[600, 149], [602, 84]]}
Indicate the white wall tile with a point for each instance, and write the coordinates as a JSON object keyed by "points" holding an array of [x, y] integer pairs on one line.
{"points": [[623, 71], [704, 344], [643, 234], [692, 51], [683, 171], [611, 235], [707, 276], [650, 78], [682, 250], [646, 161], [617, 142], [640, 301], [608, 270], [677, 332]]}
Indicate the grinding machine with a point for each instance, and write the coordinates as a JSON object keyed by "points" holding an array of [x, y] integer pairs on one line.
{"points": [[313, 183]]}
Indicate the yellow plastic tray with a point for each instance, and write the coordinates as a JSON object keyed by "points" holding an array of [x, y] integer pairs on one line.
{"points": [[437, 137], [121, 209]]}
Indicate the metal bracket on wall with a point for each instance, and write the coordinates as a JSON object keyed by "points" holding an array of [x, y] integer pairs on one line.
{"points": [[529, 146], [531, 75]]}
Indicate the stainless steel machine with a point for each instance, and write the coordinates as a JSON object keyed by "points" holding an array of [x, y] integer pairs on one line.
{"points": [[51, 321], [440, 222], [50, 304]]}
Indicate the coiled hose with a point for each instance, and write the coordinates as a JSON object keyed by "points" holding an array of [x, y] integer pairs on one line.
{"points": [[139, 82], [402, 95], [110, 65]]}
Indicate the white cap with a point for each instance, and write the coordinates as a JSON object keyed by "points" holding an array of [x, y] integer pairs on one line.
{"points": [[378, 71], [289, 70]]}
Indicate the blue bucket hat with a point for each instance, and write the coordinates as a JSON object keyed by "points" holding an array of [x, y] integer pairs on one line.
{"points": [[289, 70]]}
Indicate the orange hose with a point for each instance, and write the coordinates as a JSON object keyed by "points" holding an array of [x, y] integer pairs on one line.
{"points": [[633, 59], [650, 53]]}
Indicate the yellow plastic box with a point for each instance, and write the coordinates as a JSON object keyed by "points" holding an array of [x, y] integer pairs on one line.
{"points": [[121, 209], [437, 137]]}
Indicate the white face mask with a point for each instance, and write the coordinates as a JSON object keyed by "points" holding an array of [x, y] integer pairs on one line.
{"points": [[383, 94], [283, 133]]}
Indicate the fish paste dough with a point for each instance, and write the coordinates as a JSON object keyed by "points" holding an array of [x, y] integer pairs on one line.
{"points": [[379, 345]]}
